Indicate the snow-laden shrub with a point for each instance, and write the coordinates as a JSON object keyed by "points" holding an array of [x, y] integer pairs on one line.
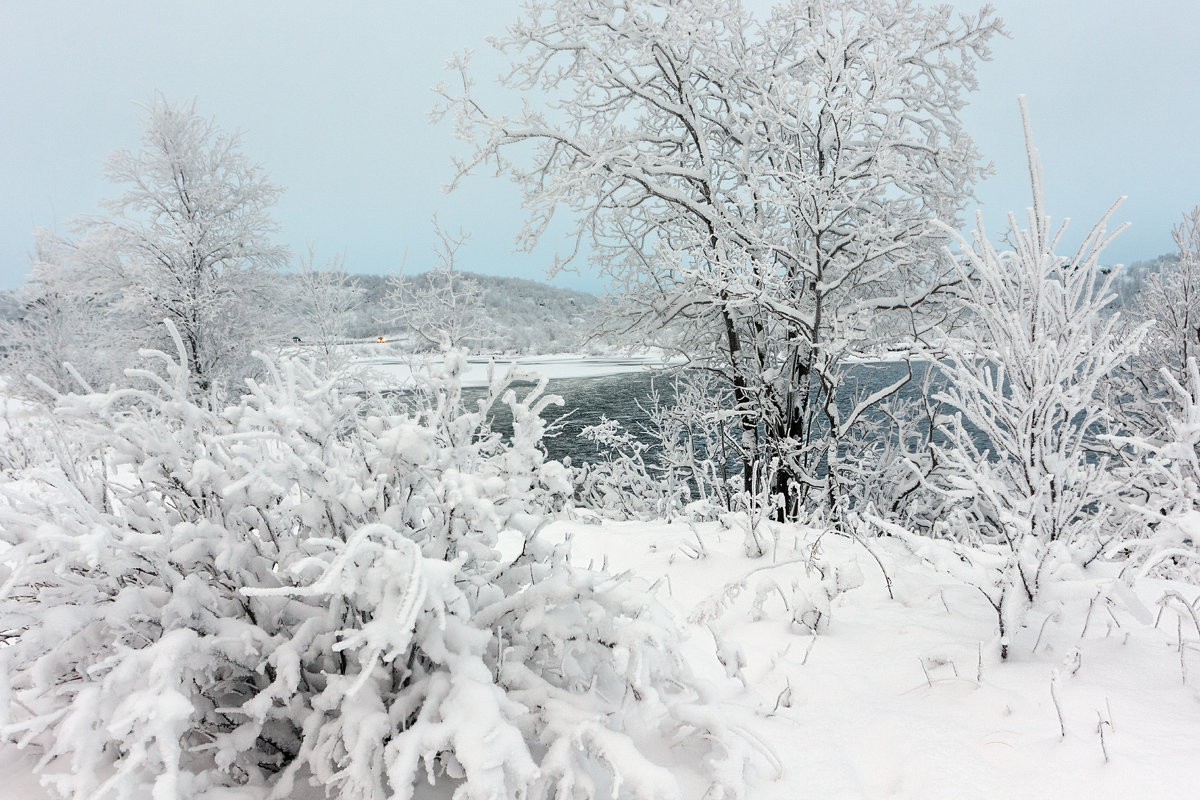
{"points": [[1170, 480], [628, 483], [26, 432], [891, 464], [302, 588], [679, 460], [798, 585], [1034, 505]]}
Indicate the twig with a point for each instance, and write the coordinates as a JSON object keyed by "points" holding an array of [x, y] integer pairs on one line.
{"points": [[887, 579], [1055, 617], [1062, 725], [1101, 722], [1088, 618], [698, 550], [808, 650], [1182, 658], [784, 699], [1108, 608], [1173, 595]]}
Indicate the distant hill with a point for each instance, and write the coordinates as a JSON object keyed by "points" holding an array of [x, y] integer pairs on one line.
{"points": [[526, 316], [518, 315], [1132, 277]]}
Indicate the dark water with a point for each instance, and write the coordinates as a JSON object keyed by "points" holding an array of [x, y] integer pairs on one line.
{"points": [[587, 401]]}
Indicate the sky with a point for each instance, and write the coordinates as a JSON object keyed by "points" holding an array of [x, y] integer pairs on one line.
{"points": [[332, 100]]}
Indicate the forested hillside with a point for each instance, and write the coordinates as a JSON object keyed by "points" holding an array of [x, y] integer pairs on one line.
{"points": [[514, 314], [1132, 278]]}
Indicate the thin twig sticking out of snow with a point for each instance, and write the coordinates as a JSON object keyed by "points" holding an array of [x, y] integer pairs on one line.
{"points": [[1055, 678], [1101, 722]]}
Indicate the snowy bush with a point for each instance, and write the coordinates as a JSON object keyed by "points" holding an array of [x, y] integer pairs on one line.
{"points": [[679, 460], [799, 585], [302, 587], [1170, 479], [891, 464], [1036, 505], [627, 484], [26, 431]]}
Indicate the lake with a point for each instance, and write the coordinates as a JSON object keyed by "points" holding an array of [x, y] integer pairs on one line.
{"points": [[589, 400]]}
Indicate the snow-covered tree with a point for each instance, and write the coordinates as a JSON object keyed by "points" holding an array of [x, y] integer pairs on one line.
{"points": [[1171, 299], [1036, 501], [188, 240], [193, 229], [444, 310], [1169, 483], [60, 334], [767, 187], [327, 301], [306, 586]]}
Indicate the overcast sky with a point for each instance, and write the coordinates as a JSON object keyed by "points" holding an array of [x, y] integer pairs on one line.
{"points": [[332, 99]]}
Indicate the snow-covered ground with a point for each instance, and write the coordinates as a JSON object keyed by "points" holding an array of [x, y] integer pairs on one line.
{"points": [[903, 697], [906, 697], [396, 372]]}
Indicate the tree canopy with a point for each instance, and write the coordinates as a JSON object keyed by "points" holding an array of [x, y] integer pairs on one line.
{"points": [[770, 187]]}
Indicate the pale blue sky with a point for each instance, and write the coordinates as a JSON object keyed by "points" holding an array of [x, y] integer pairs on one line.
{"points": [[332, 100]]}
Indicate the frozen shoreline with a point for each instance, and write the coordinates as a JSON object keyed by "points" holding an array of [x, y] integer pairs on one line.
{"points": [[395, 372]]}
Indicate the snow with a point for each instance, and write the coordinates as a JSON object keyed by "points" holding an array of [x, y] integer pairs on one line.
{"points": [[311, 592], [396, 372], [17, 779], [890, 700], [834, 687], [900, 697]]}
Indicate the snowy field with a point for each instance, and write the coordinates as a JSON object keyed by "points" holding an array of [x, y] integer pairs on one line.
{"points": [[904, 697]]}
